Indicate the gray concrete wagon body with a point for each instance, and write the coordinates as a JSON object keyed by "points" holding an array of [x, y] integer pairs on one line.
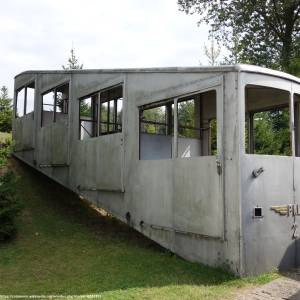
{"points": [[222, 207]]}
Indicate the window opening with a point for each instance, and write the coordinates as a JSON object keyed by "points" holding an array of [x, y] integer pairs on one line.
{"points": [[20, 103], [267, 121], [88, 117], [106, 121], [62, 103], [55, 105], [297, 123], [156, 131], [197, 125], [111, 107], [25, 100], [30, 90], [48, 108]]}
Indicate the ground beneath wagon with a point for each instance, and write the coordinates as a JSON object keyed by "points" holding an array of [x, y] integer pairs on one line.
{"points": [[287, 287], [65, 247]]}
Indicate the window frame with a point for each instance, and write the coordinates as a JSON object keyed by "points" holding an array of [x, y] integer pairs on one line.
{"points": [[94, 114], [175, 122], [25, 86], [296, 127], [98, 114], [249, 148], [54, 90], [169, 124], [197, 129]]}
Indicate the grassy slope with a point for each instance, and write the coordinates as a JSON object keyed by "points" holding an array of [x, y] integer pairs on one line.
{"points": [[64, 247]]}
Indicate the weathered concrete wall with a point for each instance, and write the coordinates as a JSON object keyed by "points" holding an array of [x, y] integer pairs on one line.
{"points": [[188, 205], [268, 241]]}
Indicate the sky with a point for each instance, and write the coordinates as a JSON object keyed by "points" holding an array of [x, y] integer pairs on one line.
{"points": [[38, 34]]}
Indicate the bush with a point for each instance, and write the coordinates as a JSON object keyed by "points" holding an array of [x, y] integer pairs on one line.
{"points": [[9, 205], [6, 147]]}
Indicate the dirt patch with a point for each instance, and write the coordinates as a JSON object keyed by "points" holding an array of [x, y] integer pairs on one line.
{"points": [[281, 288]]}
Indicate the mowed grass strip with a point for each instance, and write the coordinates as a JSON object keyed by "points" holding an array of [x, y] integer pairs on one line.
{"points": [[64, 247]]}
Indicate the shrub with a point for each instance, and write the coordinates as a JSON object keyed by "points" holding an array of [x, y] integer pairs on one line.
{"points": [[6, 147], [9, 205]]}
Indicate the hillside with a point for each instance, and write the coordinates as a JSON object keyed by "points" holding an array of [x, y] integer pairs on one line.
{"points": [[65, 247]]}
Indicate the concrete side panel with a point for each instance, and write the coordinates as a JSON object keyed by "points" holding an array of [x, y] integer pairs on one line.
{"points": [[61, 174], [53, 144], [24, 128], [44, 142], [88, 84], [110, 163], [21, 81], [297, 201], [97, 163], [151, 193], [112, 202], [18, 125], [154, 146], [198, 198], [50, 81], [59, 143], [27, 130], [149, 88], [209, 251], [188, 147], [27, 156], [268, 240]]}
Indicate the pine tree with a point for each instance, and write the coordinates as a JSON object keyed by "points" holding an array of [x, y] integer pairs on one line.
{"points": [[212, 52], [73, 62], [5, 110]]}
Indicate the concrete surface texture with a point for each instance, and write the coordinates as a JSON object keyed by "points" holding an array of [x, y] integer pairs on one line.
{"points": [[162, 175]]}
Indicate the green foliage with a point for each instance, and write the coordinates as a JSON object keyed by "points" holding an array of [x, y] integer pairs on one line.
{"points": [[157, 114], [85, 109], [213, 136], [9, 205], [186, 118], [294, 67], [6, 147], [5, 111], [262, 32], [272, 133]]}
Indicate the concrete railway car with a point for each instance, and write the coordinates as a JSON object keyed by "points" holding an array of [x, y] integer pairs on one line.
{"points": [[177, 153]]}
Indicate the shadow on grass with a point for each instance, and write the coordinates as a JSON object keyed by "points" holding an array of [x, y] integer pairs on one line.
{"points": [[65, 246]]}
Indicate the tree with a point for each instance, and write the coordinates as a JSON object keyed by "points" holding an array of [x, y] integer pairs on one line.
{"points": [[261, 32], [73, 62], [212, 52], [5, 110]]}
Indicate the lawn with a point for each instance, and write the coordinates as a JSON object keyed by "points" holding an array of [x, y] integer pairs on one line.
{"points": [[65, 247]]}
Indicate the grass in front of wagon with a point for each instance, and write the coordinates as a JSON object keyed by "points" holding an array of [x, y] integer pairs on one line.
{"points": [[64, 247]]}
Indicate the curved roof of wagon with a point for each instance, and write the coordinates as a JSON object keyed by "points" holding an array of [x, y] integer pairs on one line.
{"points": [[225, 68]]}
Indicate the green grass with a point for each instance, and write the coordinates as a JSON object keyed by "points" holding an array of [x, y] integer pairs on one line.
{"points": [[64, 247]]}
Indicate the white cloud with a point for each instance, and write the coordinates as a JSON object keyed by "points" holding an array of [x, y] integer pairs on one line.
{"points": [[38, 34]]}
